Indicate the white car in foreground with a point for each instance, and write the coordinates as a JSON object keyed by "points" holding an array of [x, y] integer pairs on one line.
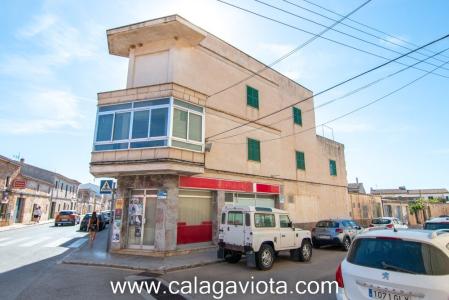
{"points": [[396, 265]]}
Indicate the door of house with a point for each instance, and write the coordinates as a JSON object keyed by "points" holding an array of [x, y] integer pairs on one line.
{"points": [[18, 210], [142, 219], [52, 210]]}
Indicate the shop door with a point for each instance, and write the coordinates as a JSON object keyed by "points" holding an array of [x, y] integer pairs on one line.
{"points": [[194, 216], [142, 219], [18, 210]]}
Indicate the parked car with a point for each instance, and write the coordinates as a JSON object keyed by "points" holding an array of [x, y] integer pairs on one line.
{"points": [[260, 233], [107, 215], [437, 223], [396, 264], [86, 218], [70, 217], [339, 232], [387, 222]]}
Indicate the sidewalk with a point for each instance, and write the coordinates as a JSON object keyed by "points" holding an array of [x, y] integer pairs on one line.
{"points": [[20, 225], [97, 256]]}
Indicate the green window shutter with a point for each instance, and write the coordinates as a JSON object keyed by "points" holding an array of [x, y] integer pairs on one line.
{"points": [[300, 161], [333, 167], [253, 150], [252, 97], [297, 116]]}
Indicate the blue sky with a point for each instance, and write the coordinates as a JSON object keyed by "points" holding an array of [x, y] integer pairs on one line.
{"points": [[54, 59]]}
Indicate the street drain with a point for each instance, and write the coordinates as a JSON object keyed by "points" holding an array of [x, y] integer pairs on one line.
{"points": [[164, 292]]}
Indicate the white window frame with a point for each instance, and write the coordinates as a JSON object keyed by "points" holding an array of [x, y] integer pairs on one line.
{"points": [[168, 138]]}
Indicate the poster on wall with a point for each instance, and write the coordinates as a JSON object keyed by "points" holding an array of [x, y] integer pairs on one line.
{"points": [[116, 231], [162, 194], [119, 204]]}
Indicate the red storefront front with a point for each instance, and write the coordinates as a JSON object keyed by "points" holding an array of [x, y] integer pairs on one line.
{"points": [[196, 204]]}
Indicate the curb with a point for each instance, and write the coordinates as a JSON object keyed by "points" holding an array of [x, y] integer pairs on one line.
{"points": [[25, 226], [161, 270]]}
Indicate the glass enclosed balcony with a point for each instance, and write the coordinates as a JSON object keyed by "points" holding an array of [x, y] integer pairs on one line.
{"points": [[165, 122]]}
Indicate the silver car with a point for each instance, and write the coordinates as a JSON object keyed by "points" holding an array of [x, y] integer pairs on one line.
{"points": [[339, 232]]}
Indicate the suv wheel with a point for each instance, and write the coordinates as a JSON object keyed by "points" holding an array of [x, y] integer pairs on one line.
{"points": [[265, 257], [346, 244], [233, 257], [305, 252]]}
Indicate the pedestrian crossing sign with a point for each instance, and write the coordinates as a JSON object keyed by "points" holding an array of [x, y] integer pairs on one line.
{"points": [[106, 186]]}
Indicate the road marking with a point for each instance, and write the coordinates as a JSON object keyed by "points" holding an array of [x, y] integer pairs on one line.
{"points": [[58, 242], [35, 242], [14, 241], [77, 243]]}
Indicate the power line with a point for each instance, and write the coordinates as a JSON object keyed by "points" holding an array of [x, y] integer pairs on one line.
{"points": [[369, 27], [335, 99], [315, 36], [311, 33], [366, 32], [335, 86], [340, 32], [352, 111]]}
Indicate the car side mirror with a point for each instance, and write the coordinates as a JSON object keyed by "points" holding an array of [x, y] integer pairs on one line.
{"points": [[290, 224]]}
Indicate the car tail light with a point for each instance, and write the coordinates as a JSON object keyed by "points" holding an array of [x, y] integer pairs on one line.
{"points": [[339, 277], [390, 226], [72, 216], [339, 230]]}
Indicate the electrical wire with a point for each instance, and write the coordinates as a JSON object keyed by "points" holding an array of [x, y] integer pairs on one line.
{"points": [[335, 99], [366, 32], [313, 38], [341, 32], [334, 86], [352, 111]]}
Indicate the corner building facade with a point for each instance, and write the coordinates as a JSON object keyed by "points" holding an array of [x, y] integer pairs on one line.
{"points": [[172, 179]]}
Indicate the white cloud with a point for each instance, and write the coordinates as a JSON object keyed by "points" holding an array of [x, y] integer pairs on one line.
{"points": [[44, 111]]}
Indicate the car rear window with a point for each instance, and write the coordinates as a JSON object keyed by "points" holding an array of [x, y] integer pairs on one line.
{"points": [[327, 224], [399, 256], [435, 226], [65, 212], [381, 221], [235, 218]]}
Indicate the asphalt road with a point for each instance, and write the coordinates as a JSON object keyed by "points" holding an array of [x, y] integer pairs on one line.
{"points": [[322, 268], [30, 269]]}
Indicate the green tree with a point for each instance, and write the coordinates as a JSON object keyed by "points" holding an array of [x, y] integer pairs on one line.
{"points": [[415, 207]]}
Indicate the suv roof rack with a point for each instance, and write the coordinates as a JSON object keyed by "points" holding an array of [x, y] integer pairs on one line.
{"points": [[438, 232]]}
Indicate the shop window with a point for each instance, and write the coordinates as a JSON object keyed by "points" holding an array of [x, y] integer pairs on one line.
{"points": [[264, 220]]}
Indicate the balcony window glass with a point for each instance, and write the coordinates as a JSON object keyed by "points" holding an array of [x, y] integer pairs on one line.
{"points": [[121, 126], [140, 124], [158, 125], [104, 127], [195, 131], [180, 123]]}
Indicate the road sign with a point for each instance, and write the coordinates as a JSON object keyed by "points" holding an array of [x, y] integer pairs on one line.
{"points": [[106, 186]]}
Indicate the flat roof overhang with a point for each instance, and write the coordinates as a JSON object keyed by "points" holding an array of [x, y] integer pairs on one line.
{"points": [[120, 39]]}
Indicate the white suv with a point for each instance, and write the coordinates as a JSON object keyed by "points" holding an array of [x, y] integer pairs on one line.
{"points": [[260, 233], [396, 265]]}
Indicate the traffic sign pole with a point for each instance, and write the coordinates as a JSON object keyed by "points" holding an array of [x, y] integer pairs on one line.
{"points": [[111, 221]]}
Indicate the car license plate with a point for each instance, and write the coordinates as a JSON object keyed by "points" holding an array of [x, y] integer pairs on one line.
{"points": [[325, 237], [375, 294], [64, 219]]}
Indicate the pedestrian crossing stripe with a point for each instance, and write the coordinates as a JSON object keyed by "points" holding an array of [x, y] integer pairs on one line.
{"points": [[41, 242]]}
